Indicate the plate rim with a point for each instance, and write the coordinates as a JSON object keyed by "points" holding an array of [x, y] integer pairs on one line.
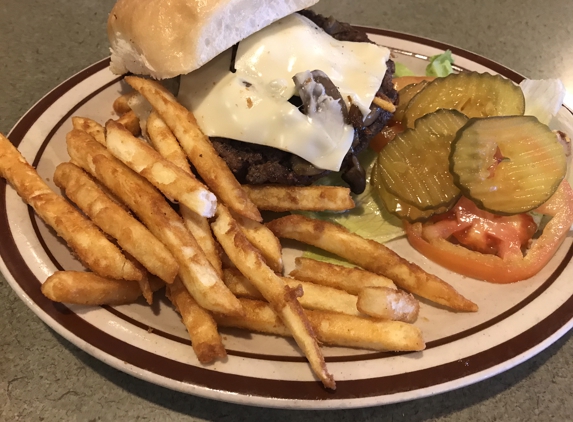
{"points": [[563, 322]]}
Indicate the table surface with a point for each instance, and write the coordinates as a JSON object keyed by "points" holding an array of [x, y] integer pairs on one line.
{"points": [[44, 377]]}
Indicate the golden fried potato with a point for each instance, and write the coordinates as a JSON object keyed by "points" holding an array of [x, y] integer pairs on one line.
{"points": [[302, 198], [332, 328], [315, 297], [83, 288], [390, 304], [90, 126], [195, 271], [146, 290], [263, 239], [210, 166], [282, 298], [121, 103], [88, 243], [130, 234], [201, 326], [130, 121], [372, 256], [175, 183], [166, 144], [201, 231], [351, 280]]}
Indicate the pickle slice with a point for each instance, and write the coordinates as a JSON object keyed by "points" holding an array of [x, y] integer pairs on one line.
{"points": [[405, 95], [399, 208], [507, 165], [474, 94], [415, 166]]}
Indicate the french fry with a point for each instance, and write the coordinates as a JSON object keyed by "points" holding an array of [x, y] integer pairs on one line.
{"points": [[196, 273], [175, 183], [82, 236], [146, 291], [315, 297], [212, 169], [130, 121], [263, 239], [390, 304], [166, 144], [200, 325], [130, 234], [201, 231], [302, 198], [282, 298], [121, 103], [371, 256], [85, 288], [332, 328], [90, 126], [351, 280]]}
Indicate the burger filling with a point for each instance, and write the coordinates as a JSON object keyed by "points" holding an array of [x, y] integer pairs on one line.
{"points": [[293, 101]]}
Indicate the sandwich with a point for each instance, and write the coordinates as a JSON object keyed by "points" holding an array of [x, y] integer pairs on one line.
{"points": [[285, 95]]}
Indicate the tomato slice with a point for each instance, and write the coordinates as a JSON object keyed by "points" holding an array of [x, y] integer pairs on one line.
{"points": [[508, 265], [483, 231]]}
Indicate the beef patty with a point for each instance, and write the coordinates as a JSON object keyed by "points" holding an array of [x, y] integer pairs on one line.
{"points": [[259, 164]]}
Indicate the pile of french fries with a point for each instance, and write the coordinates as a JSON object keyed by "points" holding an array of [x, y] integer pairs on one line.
{"points": [[220, 265]]}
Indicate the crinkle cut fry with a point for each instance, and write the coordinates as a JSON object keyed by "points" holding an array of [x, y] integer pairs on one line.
{"points": [[150, 206], [88, 243], [332, 328], [130, 234], [282, 298], [210, 166], [371, 256]]}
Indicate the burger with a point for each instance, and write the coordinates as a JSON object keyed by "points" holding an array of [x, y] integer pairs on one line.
{"points": [[286, 96]]}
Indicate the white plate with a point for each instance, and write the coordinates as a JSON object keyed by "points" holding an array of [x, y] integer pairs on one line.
{"points": [[514, 322]]}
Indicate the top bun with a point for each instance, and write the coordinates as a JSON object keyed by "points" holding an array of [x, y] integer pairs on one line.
{"points": [[166, 38]]}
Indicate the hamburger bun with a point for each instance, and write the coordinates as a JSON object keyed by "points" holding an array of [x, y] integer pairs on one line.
{"points": [[191, 31]]}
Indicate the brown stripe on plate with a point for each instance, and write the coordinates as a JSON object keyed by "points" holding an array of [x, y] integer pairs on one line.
{"points": [[60, 315]]}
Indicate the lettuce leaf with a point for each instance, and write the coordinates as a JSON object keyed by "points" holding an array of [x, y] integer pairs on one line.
{"points": [[401, 70], [368, 218], [440, 65]]}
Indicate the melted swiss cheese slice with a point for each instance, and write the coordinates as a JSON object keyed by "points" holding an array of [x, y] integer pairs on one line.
{"points": [[251, 105]]}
